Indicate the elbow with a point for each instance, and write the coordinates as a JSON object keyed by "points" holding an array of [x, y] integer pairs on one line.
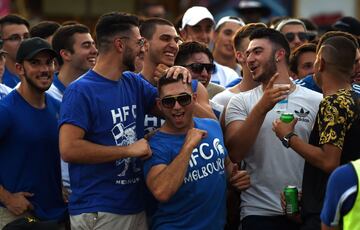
{"points": [[161, 195], [65, 153], [328, 167]]}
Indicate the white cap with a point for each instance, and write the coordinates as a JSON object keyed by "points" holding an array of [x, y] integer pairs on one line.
{"points": [[234, 19], [194, 15], [289, 21]]}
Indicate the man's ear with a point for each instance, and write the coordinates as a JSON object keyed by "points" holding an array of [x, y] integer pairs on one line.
{"points": [[19, 69], [158, 104], [280, 55], [183, 34], [240, 56], [65, 55]]}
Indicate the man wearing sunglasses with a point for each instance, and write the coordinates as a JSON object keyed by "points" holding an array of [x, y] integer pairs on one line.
{"points": [[198, 25], [187, 171], [13, 30], [294, 31], [197, 58], [161, 49]]}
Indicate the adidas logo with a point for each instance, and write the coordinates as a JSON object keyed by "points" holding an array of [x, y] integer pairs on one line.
{"points": [[302, 113]]}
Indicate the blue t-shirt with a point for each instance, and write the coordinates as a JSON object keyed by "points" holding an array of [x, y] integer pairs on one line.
{"points": [[112, 114], [233, 83], [9, 79], [308, 82], [340, 195], [29, 153], [200, 201]]}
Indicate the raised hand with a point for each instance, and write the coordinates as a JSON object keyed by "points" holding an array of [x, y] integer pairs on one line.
{"points": [[273, 95], [194, 136]]}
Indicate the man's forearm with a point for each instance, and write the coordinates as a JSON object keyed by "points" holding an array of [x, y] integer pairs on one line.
{"points": [[168, 181], [86, 152], [316, 156]]}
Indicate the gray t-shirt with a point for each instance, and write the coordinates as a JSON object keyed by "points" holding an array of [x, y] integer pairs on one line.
{"points": [[272, 166]]}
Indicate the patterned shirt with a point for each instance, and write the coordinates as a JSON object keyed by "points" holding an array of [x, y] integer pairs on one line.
{"points": [[335, 117]]}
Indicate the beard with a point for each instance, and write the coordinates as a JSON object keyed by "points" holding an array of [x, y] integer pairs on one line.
{"points": [[33, 85], [269, 69], [129, 60]]}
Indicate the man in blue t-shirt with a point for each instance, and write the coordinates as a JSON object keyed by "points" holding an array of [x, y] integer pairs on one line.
{"points": [[13, 29], [101, 129], [187, 171], [30, 179]]}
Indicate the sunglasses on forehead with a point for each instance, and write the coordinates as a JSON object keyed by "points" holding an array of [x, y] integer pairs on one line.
{"points": [[301, 35], [199, 67], [183, 99]]}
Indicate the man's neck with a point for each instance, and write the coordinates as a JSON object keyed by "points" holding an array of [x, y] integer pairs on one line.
{"points": [[228, 61], [170, 129], [32, 96], [108, 66], [332, 84], [67, 74], [10, 66], [148, 71], [283, 77]]}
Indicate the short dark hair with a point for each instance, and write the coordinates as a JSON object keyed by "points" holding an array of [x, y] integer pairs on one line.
{"points": [[331, 34], [64, 38], [275, 37], [112, 23], [148, 26], [44, 29], [245, 32], [187, 49], [340, 52], [295, 55], [13, 19], [163, 80]]}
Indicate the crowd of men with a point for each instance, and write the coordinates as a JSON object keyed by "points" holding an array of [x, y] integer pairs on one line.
{"points": [[154, 126]]}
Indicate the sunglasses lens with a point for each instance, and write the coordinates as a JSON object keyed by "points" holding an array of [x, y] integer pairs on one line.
{"points": [[210, 68], [302, 36], [196, 67], [184, 99], [168, 102], [290, 37]]}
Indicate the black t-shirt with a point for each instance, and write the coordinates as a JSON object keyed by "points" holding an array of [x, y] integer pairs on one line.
{"points": [[337, 123]]}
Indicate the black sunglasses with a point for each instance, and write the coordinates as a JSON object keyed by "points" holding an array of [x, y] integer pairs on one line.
{"points": [[301, 35], [199, 67], [183, 99]]}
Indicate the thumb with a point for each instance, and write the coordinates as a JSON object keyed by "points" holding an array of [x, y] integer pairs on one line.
{"points": [[272, 80], [293, 122], [27, 194]]}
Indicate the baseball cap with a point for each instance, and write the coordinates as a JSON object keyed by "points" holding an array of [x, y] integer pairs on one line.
{"points": [[289, 21], [348, 24], [194, 15], [234, 19], [32, 46]]}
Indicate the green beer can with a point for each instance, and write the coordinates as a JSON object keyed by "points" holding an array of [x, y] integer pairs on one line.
{"points": [[291, 199], [287, 117]]}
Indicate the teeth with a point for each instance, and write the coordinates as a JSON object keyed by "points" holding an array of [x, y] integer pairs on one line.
{"points": [[169, 54]]}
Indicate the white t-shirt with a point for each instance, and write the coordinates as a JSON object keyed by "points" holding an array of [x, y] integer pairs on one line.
{"points": [[55, 92], [272, 166], [223, 97], [223, 75], [4, 90]]}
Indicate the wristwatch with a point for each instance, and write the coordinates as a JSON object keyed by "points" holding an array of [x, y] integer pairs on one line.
{"points": [[286, 139]]}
